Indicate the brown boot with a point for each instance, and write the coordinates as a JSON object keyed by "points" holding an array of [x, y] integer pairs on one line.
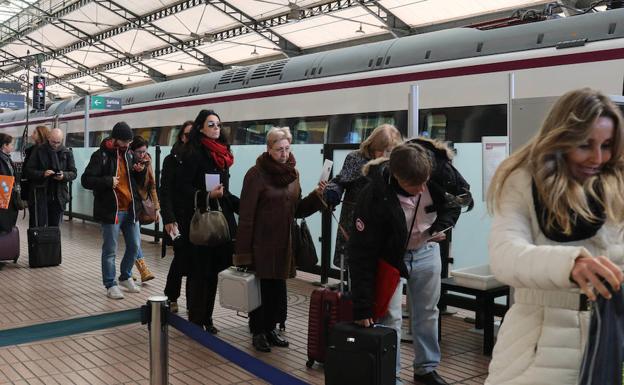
{"points": [[146, 274]]}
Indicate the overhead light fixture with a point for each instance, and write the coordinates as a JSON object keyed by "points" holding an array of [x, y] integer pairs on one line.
{"points": [[181, 68], [254, 52], [360, 30], [89, 88], [128, 80], [294, 13]]}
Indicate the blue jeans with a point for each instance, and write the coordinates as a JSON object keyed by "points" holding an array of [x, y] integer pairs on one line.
{"points": [[110, 232], [394, 319], [424, 267]]}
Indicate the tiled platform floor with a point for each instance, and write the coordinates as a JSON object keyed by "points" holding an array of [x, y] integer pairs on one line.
{"points": [[119, 355]]}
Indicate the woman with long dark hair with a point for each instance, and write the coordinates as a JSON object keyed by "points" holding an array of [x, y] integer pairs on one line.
{"points": [[206, 152], [179, 264]]}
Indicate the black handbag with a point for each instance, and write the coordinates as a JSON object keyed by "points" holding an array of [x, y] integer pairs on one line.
{"points": [[303, 246], [603, 359], [208, 227]]}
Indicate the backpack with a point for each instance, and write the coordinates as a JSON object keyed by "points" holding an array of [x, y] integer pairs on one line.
{"points": [[446, 178]]}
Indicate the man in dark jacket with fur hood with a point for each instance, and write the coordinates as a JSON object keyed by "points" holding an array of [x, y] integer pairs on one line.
{"points": [[397, 223], [113, 180]]}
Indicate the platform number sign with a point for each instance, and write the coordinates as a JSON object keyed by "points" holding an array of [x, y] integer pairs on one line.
{"points": [[39, 86]]}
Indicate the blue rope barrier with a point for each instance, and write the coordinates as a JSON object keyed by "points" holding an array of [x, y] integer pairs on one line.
{"points": [[68, 327], [246, 361]]}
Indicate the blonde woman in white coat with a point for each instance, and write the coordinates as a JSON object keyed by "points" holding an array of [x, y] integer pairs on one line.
{"points": [[558, 207]]}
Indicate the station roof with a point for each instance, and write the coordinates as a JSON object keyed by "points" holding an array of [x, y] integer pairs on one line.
{"points": [[93, 46]]}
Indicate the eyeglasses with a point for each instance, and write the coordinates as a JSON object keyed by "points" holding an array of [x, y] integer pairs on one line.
{"points": [[140, 152], [281, 150], [212, 124]]}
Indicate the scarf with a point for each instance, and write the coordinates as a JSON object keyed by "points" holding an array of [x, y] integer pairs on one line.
{"points": [[7, 159], [221, 155], [581, 228], [281, 174]]}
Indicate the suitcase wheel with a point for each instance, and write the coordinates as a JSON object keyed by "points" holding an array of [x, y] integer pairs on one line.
{"points": [[15, 260], [310, 363]]}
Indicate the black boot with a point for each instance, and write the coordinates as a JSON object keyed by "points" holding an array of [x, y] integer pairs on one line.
{"points": [[431, 378], [276, 340], [260, 343]]}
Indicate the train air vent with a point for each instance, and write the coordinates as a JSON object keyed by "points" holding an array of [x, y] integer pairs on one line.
{"points": [[379, 61], [428, 54], [388, 60], [571, 43], [260, 71], [226, 78], [276, 68], [480, 47], [313, 71], [239, 75], [612, 28]]}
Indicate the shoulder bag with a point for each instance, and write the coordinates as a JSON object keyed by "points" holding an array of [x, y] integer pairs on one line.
{"points": [[303, 246], [209, 227], [147, 212]]}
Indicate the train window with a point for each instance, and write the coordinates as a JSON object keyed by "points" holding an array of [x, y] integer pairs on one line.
{"points": [[363, 126], [464, 124], [74, 139], [252, 132], [96, 137], [308, 131]]}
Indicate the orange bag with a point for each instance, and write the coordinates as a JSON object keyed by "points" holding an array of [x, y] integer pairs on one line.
{"points": [[6, 188]]}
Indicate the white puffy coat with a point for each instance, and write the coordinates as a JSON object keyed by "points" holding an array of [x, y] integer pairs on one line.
{"points": [[543, 336]]}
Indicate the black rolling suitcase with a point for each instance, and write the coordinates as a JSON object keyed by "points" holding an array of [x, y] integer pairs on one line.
{"points": [[44, 244], [362, 356]]}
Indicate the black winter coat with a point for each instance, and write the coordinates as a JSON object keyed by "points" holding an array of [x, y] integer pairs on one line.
{"points": [[98, 176], [380, 232], [8, 216], [178, 190], [40, 161]]}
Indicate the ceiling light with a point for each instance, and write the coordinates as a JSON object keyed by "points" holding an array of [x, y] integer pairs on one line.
{"points": [[360, 30], [181, 68], [254, 52], [128, 80]]}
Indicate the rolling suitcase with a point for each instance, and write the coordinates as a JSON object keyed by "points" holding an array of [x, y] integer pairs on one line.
{"points": [[10, 245], [359, 355], [44, 244], [327, 307]]}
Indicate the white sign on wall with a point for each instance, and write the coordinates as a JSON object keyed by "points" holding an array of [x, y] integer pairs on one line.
{"points": [[495, 150]]}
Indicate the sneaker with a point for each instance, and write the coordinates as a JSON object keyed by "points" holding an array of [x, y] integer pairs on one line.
{"points": [[114, 292], [130, 286], [173, 306]]}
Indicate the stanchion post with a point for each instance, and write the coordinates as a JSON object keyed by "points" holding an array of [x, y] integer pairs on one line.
{"points": [[158, 340]]}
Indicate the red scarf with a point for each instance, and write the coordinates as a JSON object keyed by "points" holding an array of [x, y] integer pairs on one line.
{"points": [[219, 152]]}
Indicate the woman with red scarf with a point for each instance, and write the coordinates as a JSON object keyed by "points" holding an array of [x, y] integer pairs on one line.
{"points": [[205, 152], [270, 200]]}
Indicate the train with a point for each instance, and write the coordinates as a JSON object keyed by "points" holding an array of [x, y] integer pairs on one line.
{"points": [[339, 96]]}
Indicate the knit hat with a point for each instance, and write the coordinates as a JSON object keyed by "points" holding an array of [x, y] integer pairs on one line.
{"points": [[122, 131]]}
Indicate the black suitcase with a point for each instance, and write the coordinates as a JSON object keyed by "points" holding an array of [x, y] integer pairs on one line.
{"points": [[44, 244], [362, 356]]}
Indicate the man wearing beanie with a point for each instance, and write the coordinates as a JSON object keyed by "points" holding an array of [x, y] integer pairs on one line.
{"points": [[113, 181]]}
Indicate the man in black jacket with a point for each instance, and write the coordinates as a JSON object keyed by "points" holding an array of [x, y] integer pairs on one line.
{"points": [[113, 180], [49, 169], [397, 223]]}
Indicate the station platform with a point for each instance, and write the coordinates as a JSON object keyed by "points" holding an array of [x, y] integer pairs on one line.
{"points": [[120, 355]]}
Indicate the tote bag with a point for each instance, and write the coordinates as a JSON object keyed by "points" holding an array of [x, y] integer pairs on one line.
{"points": [[603, 358], [303, 246], [209, 227]]}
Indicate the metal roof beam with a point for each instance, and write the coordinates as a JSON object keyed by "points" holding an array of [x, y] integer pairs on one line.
{"points": [[146, 23], [393, 24], [289, 48]]}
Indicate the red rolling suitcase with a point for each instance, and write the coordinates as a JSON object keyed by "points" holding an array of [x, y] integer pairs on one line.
{"points": [[327, 307], [10, 245]]}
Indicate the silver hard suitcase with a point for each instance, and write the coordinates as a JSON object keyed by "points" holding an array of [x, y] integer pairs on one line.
{"points": [[239, 290]]}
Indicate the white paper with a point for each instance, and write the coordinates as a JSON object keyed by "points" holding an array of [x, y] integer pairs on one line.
{"points": [[327, 166], [212, 181], [494, 151]]}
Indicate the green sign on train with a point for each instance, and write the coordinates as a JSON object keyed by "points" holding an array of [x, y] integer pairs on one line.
{"points": [[105, 103]]}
